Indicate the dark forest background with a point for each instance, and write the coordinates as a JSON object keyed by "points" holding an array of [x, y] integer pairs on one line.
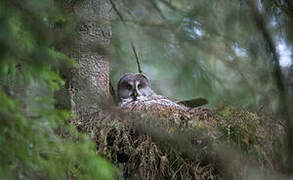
{"points": [[230, 52]]}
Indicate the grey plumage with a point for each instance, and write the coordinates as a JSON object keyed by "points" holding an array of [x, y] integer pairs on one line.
{"points": [[135, 95], [133, 87]]}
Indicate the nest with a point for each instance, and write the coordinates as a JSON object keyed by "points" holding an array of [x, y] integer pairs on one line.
{"points": [[213, 144]]}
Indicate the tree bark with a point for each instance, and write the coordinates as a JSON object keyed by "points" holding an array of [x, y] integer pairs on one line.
{"points": [[89, 82]]}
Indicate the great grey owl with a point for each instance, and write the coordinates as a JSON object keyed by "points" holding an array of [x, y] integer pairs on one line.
{"points": [[135, 94]]}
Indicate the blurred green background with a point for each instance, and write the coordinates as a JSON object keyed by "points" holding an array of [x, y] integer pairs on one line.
{"points": [[204, 48], [188, 49]]}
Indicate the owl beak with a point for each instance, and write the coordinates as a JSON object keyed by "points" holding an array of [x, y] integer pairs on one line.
{"points": [[134, 94]]}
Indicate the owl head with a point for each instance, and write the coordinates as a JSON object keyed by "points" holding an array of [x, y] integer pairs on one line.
{"points": [[132, 87]]}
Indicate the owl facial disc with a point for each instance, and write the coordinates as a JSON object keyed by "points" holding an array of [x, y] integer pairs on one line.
{"points": [[132, 87]]}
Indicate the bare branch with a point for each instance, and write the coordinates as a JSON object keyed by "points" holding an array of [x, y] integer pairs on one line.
{"points": [[136, 57], [117, 12], [131, 41]]}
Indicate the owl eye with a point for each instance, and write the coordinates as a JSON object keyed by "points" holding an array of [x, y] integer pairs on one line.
{"points": [[128, 86], [139, 86]]}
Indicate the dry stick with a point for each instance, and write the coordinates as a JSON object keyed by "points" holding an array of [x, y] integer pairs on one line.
{"points": [[136, 57], [131, 41], [284, 105], [118, 13]]}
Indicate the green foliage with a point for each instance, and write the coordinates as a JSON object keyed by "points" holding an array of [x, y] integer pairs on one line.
{"points": [[30, 126]]}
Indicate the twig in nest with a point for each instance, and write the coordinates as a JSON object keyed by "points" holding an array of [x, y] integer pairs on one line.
{"points": [[136, 57]]}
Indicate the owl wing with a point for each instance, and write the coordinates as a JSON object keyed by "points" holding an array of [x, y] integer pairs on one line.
{"points": [[155, 100], [163, 108], [157, 106], [192, 103]]}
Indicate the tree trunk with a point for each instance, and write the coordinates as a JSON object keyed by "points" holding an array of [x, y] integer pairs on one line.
{"points": [[89, 82]]}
